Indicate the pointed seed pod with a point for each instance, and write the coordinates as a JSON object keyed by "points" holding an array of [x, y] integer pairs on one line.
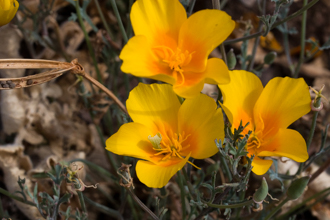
{"points": [[270, 57], [297, 187], [231, 59], [261, 193]]}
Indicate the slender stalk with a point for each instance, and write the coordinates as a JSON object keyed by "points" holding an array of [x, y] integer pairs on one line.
{"points": [[120, 23], [142, 205], [276, 209], [82, 201], [287, 48], [320, 170], [191, 7], [302, 41], [6, 193], [183, 196], [243, 38], [216, 5], [311, 133], [104, 209], [297, 13], [88, 42], [106, 26], [225, 165], [256, 42], [232, 206]]}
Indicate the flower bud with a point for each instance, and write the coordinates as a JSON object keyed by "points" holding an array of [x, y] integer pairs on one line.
{"points": [[231, 59], [8, 9], [270, 57], [297, 187], [261, 193]]}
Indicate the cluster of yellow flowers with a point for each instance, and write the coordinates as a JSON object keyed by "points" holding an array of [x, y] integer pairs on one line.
{"points": [[8, 9], [172, 48]]}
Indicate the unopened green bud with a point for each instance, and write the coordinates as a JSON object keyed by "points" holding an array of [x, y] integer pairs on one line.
{"points": [[270, 57], [261, 193], [231, 59], [297, 187]]}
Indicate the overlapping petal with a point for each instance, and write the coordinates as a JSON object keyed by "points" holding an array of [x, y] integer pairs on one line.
{"points": [[260, 166], [152, 105], [201, 33], [240, 96], [282, 102], [200, 118], [159, 21], [157, 176], [287, 143], [216, 72]]}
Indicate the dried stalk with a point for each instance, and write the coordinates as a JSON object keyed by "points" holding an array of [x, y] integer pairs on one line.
{"points": [[59, 69]]}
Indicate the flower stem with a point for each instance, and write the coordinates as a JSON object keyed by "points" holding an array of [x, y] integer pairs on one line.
{"points": [[276, 209], [120, 23], [232, 206], [191, 7], [302, 41], [89, 45], [82, 202], [183, 197], [106, 26], [216, 5]]}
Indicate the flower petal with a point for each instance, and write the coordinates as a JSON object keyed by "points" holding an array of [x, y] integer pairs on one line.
{"points": [[139, 60], [8, 11], [159, 21], [260, 166], [201, 33], [190, 89], [156, 176], [200, 118], [240, 95], [287, 143], [282, 102], [131, 140], [216, 72], [153, 105]]}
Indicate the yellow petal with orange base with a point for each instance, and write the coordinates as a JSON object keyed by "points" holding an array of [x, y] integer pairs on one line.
{"points": [[283, 101], [200, 118], [201, 33], [287, 143], [240, 96], [158, 20], [216, 72], [153, 106]]}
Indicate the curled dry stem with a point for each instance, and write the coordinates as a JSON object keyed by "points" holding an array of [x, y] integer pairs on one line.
{"points": [[58, 69]]}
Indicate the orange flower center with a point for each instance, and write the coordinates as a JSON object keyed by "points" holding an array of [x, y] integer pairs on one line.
{"points": [[176, 60], [170, 146]]}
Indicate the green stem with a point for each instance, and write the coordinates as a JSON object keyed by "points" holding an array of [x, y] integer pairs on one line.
{"points": [[106, 26], [276, 209], [232, 206], [191, 7], [311, 133], [287, 48], [120, 23], [20, 199], [302, 41], [183, 197], [82, 202], [297, 13], [225, 165], [88, 42], [104, 209]]}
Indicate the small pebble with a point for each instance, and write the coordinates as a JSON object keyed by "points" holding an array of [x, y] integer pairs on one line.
{"points": [[5, 85], [8, 81], [12, 85], [29, 82]]}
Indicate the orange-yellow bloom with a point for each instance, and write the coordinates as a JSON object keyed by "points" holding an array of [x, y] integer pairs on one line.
{"points": [[269, 111], [170, 47], [165, 134], [8, 9]]}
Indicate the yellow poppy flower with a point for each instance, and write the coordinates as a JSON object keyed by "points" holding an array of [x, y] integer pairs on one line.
{"points": [[8, 9], [165, 134], [269, 111], [172, 48]]}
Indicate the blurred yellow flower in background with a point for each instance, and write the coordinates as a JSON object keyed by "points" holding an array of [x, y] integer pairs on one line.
{"points": [[8, 9], [269, 111], [165, 134], [170, 47]]}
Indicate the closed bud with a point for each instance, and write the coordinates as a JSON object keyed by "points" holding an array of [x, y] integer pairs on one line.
{"points": [[270, 57], [297, 187], [261, 193], [231, 59]]}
